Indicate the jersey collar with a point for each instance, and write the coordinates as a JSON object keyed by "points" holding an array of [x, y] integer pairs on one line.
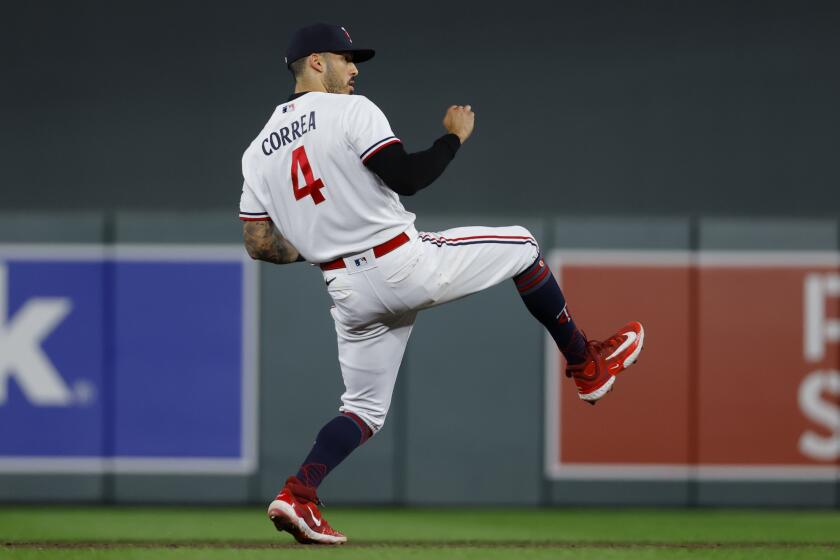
{"points": [[296, 95]]}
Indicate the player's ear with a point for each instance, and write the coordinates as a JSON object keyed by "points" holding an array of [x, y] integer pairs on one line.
{"points": [[316, 62]]}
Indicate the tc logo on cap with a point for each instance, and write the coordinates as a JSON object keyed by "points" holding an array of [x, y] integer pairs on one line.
{"points": [[324, 37]]}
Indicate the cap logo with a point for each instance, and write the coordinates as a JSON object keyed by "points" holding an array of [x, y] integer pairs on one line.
{"points": [[347, 35]]}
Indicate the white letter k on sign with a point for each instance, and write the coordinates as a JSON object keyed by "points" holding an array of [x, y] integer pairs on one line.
{"points": [[21, 355]]}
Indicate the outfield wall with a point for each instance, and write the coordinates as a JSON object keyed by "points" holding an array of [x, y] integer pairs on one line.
{"points": [[153, 387]]}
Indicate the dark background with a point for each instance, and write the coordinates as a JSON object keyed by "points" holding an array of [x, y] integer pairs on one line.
{"points": [[597, 107]]}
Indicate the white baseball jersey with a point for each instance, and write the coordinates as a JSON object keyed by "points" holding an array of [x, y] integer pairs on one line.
{"points": [[305, 171]]}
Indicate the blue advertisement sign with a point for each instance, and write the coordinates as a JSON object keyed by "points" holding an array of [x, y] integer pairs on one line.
{"points": [[51, 350], [138, 361]]}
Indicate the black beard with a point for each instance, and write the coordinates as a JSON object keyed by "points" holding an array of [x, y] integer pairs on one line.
{"points": [[336, 88], [332, 86]]}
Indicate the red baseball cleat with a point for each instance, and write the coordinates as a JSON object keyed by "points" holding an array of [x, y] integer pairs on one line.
{"points": [[295, 510], [595, 377]]}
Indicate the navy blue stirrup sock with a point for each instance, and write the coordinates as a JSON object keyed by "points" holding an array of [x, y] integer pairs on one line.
{"points": [[336, 440], [544, 299]]}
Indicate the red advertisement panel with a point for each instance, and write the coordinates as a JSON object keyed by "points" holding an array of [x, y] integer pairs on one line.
{"points": [[739, 376]]}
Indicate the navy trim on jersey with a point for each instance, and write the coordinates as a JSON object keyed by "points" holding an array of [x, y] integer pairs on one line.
{"points": [[442, 243], [254, 216], [374, 146], [473, 240]]}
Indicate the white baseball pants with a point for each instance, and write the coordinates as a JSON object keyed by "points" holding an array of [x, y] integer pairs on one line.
{"points": [[377, 299]]}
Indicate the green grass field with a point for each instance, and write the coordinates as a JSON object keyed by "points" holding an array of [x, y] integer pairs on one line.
{"points": [[228, 533]]}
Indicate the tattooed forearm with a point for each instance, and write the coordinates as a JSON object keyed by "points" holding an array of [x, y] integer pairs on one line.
{"points": [[264, 242]]}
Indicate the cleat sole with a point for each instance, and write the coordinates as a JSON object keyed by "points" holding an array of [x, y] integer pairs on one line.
{"points": [[284, 518]]}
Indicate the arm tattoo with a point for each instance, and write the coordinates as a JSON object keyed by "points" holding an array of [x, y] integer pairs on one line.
{"points": [[264, 242]]}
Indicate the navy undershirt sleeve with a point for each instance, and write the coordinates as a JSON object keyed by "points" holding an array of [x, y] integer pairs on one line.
{"points": [[405, 173]]}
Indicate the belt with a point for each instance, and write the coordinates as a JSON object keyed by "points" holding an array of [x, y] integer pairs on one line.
{"points": [[378, 251]]}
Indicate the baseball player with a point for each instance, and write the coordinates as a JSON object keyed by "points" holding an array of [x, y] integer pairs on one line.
{"points": [[323, 181]]}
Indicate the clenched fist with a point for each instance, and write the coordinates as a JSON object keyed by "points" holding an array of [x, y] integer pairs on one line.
{"points": [[459, 120]]}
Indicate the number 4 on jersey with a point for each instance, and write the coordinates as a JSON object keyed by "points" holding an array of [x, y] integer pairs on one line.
{"points": [[313, 186]]}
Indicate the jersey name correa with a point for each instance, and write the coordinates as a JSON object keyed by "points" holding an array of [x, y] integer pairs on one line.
{"points": [[305, 171], [287, 134]]}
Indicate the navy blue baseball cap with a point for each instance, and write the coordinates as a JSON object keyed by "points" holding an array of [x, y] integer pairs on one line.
{"points": [[324, 37]]}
